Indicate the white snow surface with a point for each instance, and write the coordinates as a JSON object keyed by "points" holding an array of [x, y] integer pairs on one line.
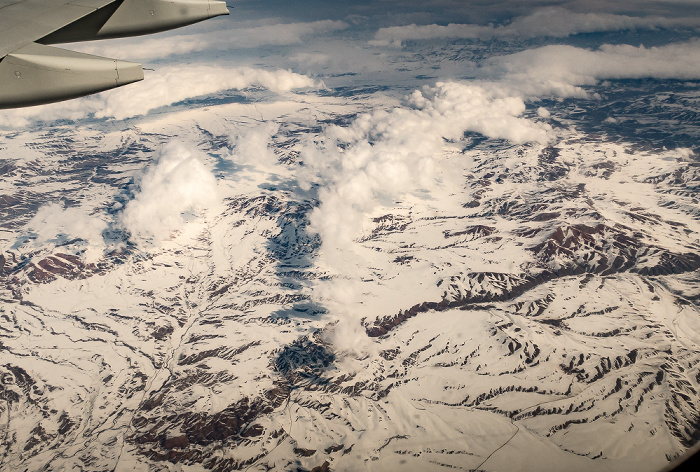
{"points": [[170, 302]]}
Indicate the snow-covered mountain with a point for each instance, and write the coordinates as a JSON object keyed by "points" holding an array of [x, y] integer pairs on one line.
{"points": [[492, 272], [539, 297]]}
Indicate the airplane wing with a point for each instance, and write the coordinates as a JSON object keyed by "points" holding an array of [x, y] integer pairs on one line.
{"points": [[33, 73]]}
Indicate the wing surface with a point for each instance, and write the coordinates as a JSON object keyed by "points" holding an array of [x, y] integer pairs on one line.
{"points": [[26, 21], [33, 73]]}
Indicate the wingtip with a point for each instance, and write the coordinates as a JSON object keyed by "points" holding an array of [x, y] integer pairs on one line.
{"points": [[129, 72], [218, 8]]}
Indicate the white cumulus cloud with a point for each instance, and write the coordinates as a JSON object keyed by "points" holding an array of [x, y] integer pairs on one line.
{"points": [[379, 159], [177, 83], [176, 186], [54, 223], [384, 154], [252, 146]]}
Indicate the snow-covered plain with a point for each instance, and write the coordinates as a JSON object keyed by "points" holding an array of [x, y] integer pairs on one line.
{"points": [[461, 276]]}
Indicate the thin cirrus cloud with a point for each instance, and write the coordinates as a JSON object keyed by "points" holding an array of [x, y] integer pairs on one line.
{"points": [[553, 22], [167, 86], [283, 34]]}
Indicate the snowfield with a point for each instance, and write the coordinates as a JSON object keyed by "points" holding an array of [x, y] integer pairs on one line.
{"points": [[370, 243], [501, 305]]}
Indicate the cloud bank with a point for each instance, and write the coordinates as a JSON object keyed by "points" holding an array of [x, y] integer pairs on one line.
{"points": [[178, 83], [561, 70], [169, 85], [553, 22]]}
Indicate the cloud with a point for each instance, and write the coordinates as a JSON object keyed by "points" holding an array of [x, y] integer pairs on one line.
{"points": [[385, 154], [553, 22], [283, 34], [561, 70], [68, 110], [54, 224], [177, 185], [178, 83], [377, 161], [395, 35], [311, 59], [252, 146], [175, 189], [167, 86]]}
